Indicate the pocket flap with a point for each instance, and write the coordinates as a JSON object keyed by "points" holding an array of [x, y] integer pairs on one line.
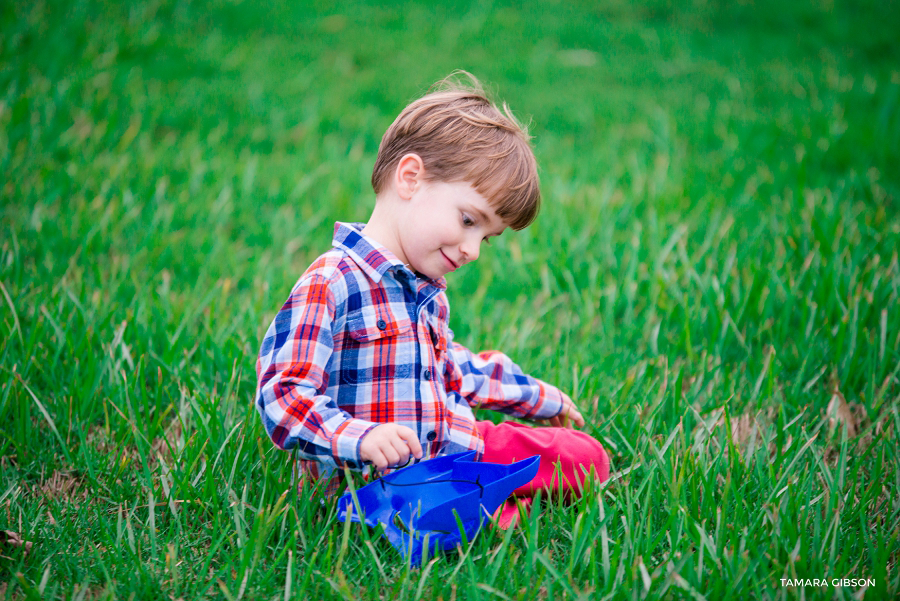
{"points": [[370, 323]]}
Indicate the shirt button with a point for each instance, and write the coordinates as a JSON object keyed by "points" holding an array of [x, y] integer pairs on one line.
{"points": [[431, 435], [427, 375], [381, 324]]}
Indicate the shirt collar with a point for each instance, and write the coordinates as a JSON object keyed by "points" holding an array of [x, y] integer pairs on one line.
{"points": [[374, 259]]}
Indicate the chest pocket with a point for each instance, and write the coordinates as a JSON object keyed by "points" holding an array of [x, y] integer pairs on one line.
{"points": [[378, 345]]}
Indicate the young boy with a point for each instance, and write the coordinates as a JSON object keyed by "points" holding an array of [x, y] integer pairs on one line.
{"points": [[359, 366]]}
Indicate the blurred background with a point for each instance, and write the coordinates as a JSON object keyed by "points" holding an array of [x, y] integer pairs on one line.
{"points": [[161, 149]]}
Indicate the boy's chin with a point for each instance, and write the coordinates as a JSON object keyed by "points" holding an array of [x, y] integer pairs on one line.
{"points": [[429, 271], [432, 274]]}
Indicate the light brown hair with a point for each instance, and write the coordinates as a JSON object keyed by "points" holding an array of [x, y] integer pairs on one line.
{"points": [[462, 136]]}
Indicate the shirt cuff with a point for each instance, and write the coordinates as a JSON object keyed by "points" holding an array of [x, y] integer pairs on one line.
{"points": [[549, 403], [346, 441]]}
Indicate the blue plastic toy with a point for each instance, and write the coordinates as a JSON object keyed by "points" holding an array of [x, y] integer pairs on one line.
{"points": [[425, 506]]}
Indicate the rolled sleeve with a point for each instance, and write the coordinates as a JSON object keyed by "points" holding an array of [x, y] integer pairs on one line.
{"points": [[490, 380]]}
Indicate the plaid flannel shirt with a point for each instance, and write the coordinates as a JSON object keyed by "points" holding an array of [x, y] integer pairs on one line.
{"points": [[363, 341]]}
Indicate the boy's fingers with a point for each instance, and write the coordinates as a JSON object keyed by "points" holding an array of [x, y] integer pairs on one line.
{"points": [[378, 460], [391, 456], [402, 449], [412, 441], [572, 414], [576, 416]]}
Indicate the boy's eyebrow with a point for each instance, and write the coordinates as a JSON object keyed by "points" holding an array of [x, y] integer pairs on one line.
{"points": [[481, 213]]}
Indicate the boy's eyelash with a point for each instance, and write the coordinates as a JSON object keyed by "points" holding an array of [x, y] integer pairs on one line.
{"points": [[468, 222]]}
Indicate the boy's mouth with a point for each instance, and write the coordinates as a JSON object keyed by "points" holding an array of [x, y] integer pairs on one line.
{"points": [[449, 261]]}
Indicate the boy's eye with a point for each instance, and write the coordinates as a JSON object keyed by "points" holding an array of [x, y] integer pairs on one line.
{"points": [[467, 220]]}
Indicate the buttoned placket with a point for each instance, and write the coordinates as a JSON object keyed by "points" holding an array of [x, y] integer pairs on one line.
{"points": [[428, 397]]}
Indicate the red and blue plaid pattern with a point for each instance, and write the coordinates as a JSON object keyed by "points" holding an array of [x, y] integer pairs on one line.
{"points": [[363, 341]]}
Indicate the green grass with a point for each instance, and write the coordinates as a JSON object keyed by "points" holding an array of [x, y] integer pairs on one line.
{"points": [[717, 253]]}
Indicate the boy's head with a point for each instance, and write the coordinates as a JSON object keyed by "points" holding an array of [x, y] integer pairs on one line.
{"points": [[462, 137]]}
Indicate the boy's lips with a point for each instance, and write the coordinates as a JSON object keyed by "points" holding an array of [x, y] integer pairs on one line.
{"points": [[449, 261]]}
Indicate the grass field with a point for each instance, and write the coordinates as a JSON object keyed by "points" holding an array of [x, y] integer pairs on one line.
{"points": [[714, 276]]}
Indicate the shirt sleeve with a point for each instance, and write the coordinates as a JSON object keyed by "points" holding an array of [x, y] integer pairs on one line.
{"points": [[292, 372], [490, 380]]}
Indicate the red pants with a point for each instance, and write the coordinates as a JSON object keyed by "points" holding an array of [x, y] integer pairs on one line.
{"points": [[567, 457]]}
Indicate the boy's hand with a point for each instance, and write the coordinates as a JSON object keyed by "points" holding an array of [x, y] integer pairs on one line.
{"points": [[569, 417], [389, 445]]}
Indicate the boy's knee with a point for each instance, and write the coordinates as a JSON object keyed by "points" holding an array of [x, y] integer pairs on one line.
{"points": [[582, 455]]}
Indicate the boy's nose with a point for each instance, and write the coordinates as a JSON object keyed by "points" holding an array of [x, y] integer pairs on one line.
{"points": [[470, 250]]}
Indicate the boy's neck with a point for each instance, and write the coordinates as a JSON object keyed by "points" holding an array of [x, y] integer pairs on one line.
{"points": [[383, 223]]}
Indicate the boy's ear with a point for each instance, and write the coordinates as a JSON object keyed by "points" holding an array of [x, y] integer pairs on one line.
{"points": [[409, 175]]}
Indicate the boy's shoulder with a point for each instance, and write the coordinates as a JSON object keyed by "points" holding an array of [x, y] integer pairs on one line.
{"points": [[332, 269], [341, 274], [328, 265]]}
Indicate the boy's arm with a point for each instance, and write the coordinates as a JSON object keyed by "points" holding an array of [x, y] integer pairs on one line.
{"points": [[490, 380], [293, 377]]}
